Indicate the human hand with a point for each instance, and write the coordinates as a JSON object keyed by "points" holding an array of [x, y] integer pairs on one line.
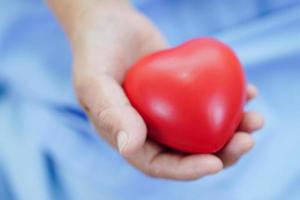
{"points": [[107, 38]]}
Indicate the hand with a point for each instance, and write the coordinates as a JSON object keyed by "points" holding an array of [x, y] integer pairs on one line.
{"points": [[106, 40]]}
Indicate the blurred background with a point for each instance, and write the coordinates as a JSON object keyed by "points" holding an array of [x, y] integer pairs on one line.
{"points": [[48, 150]]}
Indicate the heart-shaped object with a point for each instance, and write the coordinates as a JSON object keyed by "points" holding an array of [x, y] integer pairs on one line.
{"points": [[191, 96]]}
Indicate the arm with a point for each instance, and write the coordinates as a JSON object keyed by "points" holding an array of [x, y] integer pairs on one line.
{"points": [[107, 36]]}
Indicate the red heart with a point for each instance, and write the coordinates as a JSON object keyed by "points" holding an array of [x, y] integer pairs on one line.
{"points": [[191, 97]]}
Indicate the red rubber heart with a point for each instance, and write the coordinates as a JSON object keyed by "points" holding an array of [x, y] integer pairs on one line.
{"points": [[191, 97]]}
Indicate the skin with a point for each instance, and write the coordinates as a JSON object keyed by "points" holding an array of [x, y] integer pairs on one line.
{"points": [[107, 37]]}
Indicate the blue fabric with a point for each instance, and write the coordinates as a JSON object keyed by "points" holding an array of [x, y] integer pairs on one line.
{"points": [[49, 151]]}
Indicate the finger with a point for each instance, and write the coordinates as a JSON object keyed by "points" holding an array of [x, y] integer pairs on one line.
{"points": [[251, 121], [111, 113], [251, 92], [157, 163], [184, 167], [239, 145]]}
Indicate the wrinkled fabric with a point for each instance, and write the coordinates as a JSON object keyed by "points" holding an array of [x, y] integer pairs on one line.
{"points": [[48, 149]]}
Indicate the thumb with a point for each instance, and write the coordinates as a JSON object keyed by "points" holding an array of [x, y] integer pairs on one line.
{"points": [[111, 113]]}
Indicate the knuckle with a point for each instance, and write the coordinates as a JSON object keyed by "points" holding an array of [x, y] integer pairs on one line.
{"points": [[82, 87], [84, 105], [152, 173], [106, 120], [82, 102]]}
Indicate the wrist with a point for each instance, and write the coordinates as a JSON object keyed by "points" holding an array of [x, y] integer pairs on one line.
{"points": [[75, 13]]}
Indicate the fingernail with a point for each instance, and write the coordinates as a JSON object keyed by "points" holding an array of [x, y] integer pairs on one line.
{"points": [[122, 140], [257, 121], [216, 167]]}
